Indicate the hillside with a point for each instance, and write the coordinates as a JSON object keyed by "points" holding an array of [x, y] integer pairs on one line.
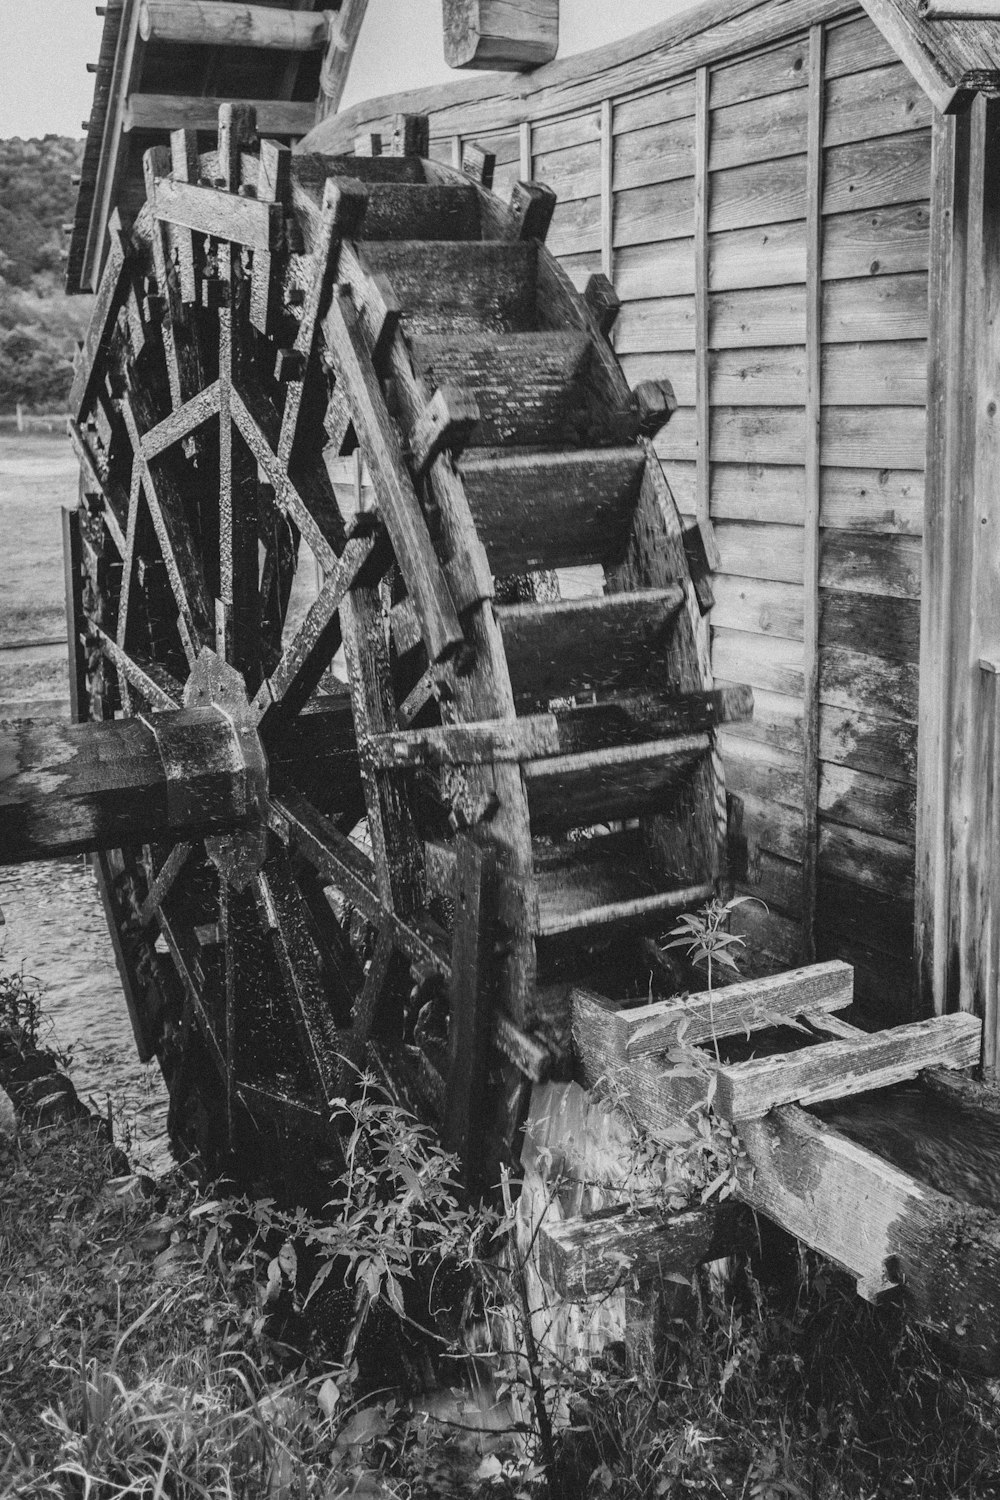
{"points": [[39, 324]]}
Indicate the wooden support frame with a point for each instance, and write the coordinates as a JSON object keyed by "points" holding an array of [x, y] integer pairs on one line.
{"points": [[275, 117], [340, 50], [957, 919], [607, 149], [73, 579], [811, 510], [702, 399], [232, 23]]}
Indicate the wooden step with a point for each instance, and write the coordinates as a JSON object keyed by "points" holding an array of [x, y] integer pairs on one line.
{"points": [[651, 716], [601, 786], [603, 880], [526, 385], [311, 169], [418, 211], [581, 646], [450, 287], [552, 510]]}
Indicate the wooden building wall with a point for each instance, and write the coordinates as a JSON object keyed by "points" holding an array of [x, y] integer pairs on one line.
{"points": [[764, 217]]}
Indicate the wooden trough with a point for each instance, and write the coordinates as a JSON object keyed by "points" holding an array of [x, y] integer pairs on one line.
{"points": [[813, 1101]]}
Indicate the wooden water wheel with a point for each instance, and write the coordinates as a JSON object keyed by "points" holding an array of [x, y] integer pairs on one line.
{"points": [[499, 789]]}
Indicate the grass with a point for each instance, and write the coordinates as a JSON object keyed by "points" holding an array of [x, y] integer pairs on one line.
{"points": [[156, 1343]]}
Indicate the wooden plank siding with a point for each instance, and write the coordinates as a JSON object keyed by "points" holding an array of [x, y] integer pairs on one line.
{"points": [[764, 215]]}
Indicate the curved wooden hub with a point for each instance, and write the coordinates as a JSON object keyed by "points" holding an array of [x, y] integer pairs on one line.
{"points": [[507, 785]]}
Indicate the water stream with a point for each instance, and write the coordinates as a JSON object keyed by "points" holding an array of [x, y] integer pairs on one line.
{"points": [[56, 934]]}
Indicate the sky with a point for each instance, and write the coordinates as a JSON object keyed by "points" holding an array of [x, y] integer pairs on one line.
{"points": [[46, 44]]}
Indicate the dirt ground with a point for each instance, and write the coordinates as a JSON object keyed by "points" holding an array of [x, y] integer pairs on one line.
{"points": [[37, 476]]}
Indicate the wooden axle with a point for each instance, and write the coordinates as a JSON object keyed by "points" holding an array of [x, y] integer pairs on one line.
{"points": [[76, 788], [223, 24]]}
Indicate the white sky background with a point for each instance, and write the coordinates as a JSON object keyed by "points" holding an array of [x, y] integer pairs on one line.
{"points": [[46, 44]]}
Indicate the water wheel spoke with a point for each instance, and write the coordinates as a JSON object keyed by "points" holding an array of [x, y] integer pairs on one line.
{"points": [[319, 637], [163, 881], [323, 532], [281, 909]]}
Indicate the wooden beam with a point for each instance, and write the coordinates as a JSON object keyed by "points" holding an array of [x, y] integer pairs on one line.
{"points": [[592, 1255], [849, 1065], [471, 1022], [750, 1005], [181, 772], [702, 398], [810, 519], [223, 23], [225, 216], [75, 623], [343, 39], [959, 10], [607, 191], [958, 860], [884, 1226], [498, 34], [113, 161], [399, 507], [275, 117]]}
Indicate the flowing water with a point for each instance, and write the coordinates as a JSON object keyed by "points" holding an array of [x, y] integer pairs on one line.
{"points": [[54, 929]]}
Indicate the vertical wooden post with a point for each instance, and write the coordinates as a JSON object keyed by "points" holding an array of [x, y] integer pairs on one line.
{"points": [[607, 192], [73, 580], [958, 856], [469, 1030], [945, 530], [702, 395], [811, 507], [456, 152], [524, 150]]}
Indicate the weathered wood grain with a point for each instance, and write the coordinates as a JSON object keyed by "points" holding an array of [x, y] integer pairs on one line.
{"points": [[500, 34], [769, 255], [572, 171], [877, 102], [659, 153], [399, 507], [184, 772], [522, 383], [867, 742], [866, 860], [748, 1005], [552, 510], [876, 242], [454, 289], [590, 1256], [756, 605], [764, 662], [886, 626], [595, 786], [871, 564], [762, 129], [242, 221], [868, 802], [575, 646], [662, 211], [855, 679]]}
